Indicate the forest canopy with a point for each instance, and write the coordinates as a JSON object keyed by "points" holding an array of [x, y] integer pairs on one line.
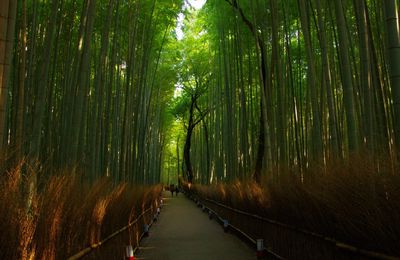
{"points": [[115, 88]]}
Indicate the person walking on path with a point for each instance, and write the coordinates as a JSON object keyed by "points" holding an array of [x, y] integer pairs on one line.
{"points": [[172, 189]]}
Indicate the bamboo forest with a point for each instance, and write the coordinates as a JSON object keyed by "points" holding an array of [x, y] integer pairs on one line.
{"points": [[279, 118]]}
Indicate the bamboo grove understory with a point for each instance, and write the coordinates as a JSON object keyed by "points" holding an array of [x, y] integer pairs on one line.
{"points": [[250, 89]]}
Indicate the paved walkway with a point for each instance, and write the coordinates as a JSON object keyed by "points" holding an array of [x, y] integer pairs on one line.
{"points": [[183, 231]]}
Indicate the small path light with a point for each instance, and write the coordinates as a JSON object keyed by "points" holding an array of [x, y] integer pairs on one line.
{"points": [[129, 253], [145, 230], [260, 248], [226, 225]]}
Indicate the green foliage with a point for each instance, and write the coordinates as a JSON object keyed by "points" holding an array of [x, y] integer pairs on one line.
{"points": [[180, 105]]}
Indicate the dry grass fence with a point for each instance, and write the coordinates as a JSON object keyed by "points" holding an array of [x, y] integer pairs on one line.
{"points": [[66, 215], [355, 202]]}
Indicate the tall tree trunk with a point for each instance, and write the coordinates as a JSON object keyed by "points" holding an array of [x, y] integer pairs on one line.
{"points": [[327, 79], [381, 118], [277, 76], [295, 118], [243, 118], [192, 123], [312, 84], [82, 87], [21, 85], [188, 141], [42, 84], [347, 81], [97, 130], [365, 72], [263, 149], [8, 9], [110, 115], [393, 49], [178, 158]]}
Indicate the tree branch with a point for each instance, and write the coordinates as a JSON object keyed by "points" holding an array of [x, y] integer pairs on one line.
{"points": [[202, 115], [200, 119], [249, 24]]}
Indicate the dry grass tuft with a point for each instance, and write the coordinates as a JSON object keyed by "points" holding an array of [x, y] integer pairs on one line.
{"points": [[65, 215], [357, 201]]}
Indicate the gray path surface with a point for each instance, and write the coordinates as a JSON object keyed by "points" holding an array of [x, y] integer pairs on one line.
{"points": [[183, 231]]}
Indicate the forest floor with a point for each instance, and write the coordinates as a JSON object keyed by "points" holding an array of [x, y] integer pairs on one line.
{"points": [[183, 231]]}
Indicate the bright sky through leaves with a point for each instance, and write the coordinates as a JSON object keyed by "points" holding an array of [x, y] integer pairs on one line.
{"points": [[196, 4]]}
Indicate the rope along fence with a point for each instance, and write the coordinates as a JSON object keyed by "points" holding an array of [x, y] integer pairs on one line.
{"points": [[146, 218], [284, 241]]}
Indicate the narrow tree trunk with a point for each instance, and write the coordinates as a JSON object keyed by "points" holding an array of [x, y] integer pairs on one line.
{"points": [[316, 135], [327, 78], [8, 9], [347, 81], [97, 131], [393, 49], [263, 149], [365, 72], [277, 75], [81, 88], [178, 157], [42, 84], [188, 140], [21, 85]]}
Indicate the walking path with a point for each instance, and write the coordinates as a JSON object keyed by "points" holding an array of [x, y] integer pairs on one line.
{"points": [[183, 231]]}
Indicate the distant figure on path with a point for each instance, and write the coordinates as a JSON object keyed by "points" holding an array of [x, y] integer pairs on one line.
{"points": [[172, 189]]}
